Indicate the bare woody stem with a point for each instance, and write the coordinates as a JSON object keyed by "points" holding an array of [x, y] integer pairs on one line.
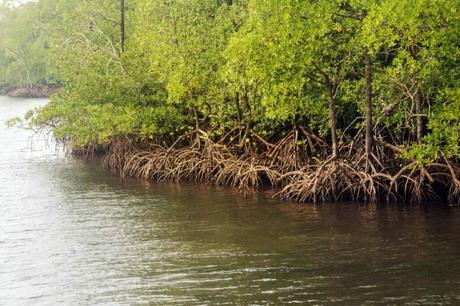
{"points": [[368, 105], [418, 112], [332, 119], [122, 25]]}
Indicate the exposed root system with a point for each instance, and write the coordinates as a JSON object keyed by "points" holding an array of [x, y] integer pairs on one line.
{"points": [[204, 161], [332, 180], [297, 165]]}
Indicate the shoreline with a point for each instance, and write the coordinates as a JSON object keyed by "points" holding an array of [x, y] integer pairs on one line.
{"points": [[196, 158], [27, 91]]}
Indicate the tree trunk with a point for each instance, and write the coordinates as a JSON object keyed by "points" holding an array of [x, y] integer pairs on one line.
{"points": [[245, 100], [238, 109], [417, 101], [197, 119], [368, 106], [26, 65], [29, 79], [332, 118], [418, 113], [246, 103], [122, 25]]}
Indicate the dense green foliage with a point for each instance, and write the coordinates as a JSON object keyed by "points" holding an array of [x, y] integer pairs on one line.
{"points": [[258, 65], [24, 45]]}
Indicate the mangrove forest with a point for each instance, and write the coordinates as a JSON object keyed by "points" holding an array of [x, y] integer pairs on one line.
{"points": [[318, 100]]}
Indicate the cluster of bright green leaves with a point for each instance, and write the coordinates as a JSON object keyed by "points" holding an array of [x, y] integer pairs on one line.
{"points": [[268, 58], [107, 94], [183, 42], [417, 44]]}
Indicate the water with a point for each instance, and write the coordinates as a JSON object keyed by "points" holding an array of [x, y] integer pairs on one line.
{"points": [[71, 233]]}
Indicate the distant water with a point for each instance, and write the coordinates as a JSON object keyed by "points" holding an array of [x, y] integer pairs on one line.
{"points": [[71, 233]]}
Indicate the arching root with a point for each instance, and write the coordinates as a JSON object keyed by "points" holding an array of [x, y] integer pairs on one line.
{"points": [[287, 165], [204, 161], [332, 180]]}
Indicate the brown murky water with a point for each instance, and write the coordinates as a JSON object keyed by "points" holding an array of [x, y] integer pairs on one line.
{"points": [[71, 233]]}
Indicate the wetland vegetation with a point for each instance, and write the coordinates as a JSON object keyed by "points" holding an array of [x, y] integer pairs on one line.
{"points": [[320, 100]]}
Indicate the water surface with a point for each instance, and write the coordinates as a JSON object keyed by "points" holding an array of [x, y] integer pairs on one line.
{"points": [[71, 233]]}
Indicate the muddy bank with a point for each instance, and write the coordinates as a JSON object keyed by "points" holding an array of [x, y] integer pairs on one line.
{"points": [[26, 91]]}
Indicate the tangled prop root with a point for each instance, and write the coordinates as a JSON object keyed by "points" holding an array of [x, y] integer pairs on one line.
{"points": [[332, 180], [454, 182], [245, 173], [286, 155], [288, 166], [204, 161], [119, 150], [413, 184]]}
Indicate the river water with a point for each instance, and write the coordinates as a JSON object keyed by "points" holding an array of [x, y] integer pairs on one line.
{"points": [[73, 234]]}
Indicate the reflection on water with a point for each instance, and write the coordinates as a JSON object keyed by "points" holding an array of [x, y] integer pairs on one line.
{"points": [[71, 233]]}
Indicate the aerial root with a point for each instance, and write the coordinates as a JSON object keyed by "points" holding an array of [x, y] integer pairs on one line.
{"points": [[454, 180], [287, 166], [119, 150], [332, 180], [203, 161], [286, 155]]}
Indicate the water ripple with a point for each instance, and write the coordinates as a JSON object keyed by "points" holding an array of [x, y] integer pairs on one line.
{"points": [[71, 233]]}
